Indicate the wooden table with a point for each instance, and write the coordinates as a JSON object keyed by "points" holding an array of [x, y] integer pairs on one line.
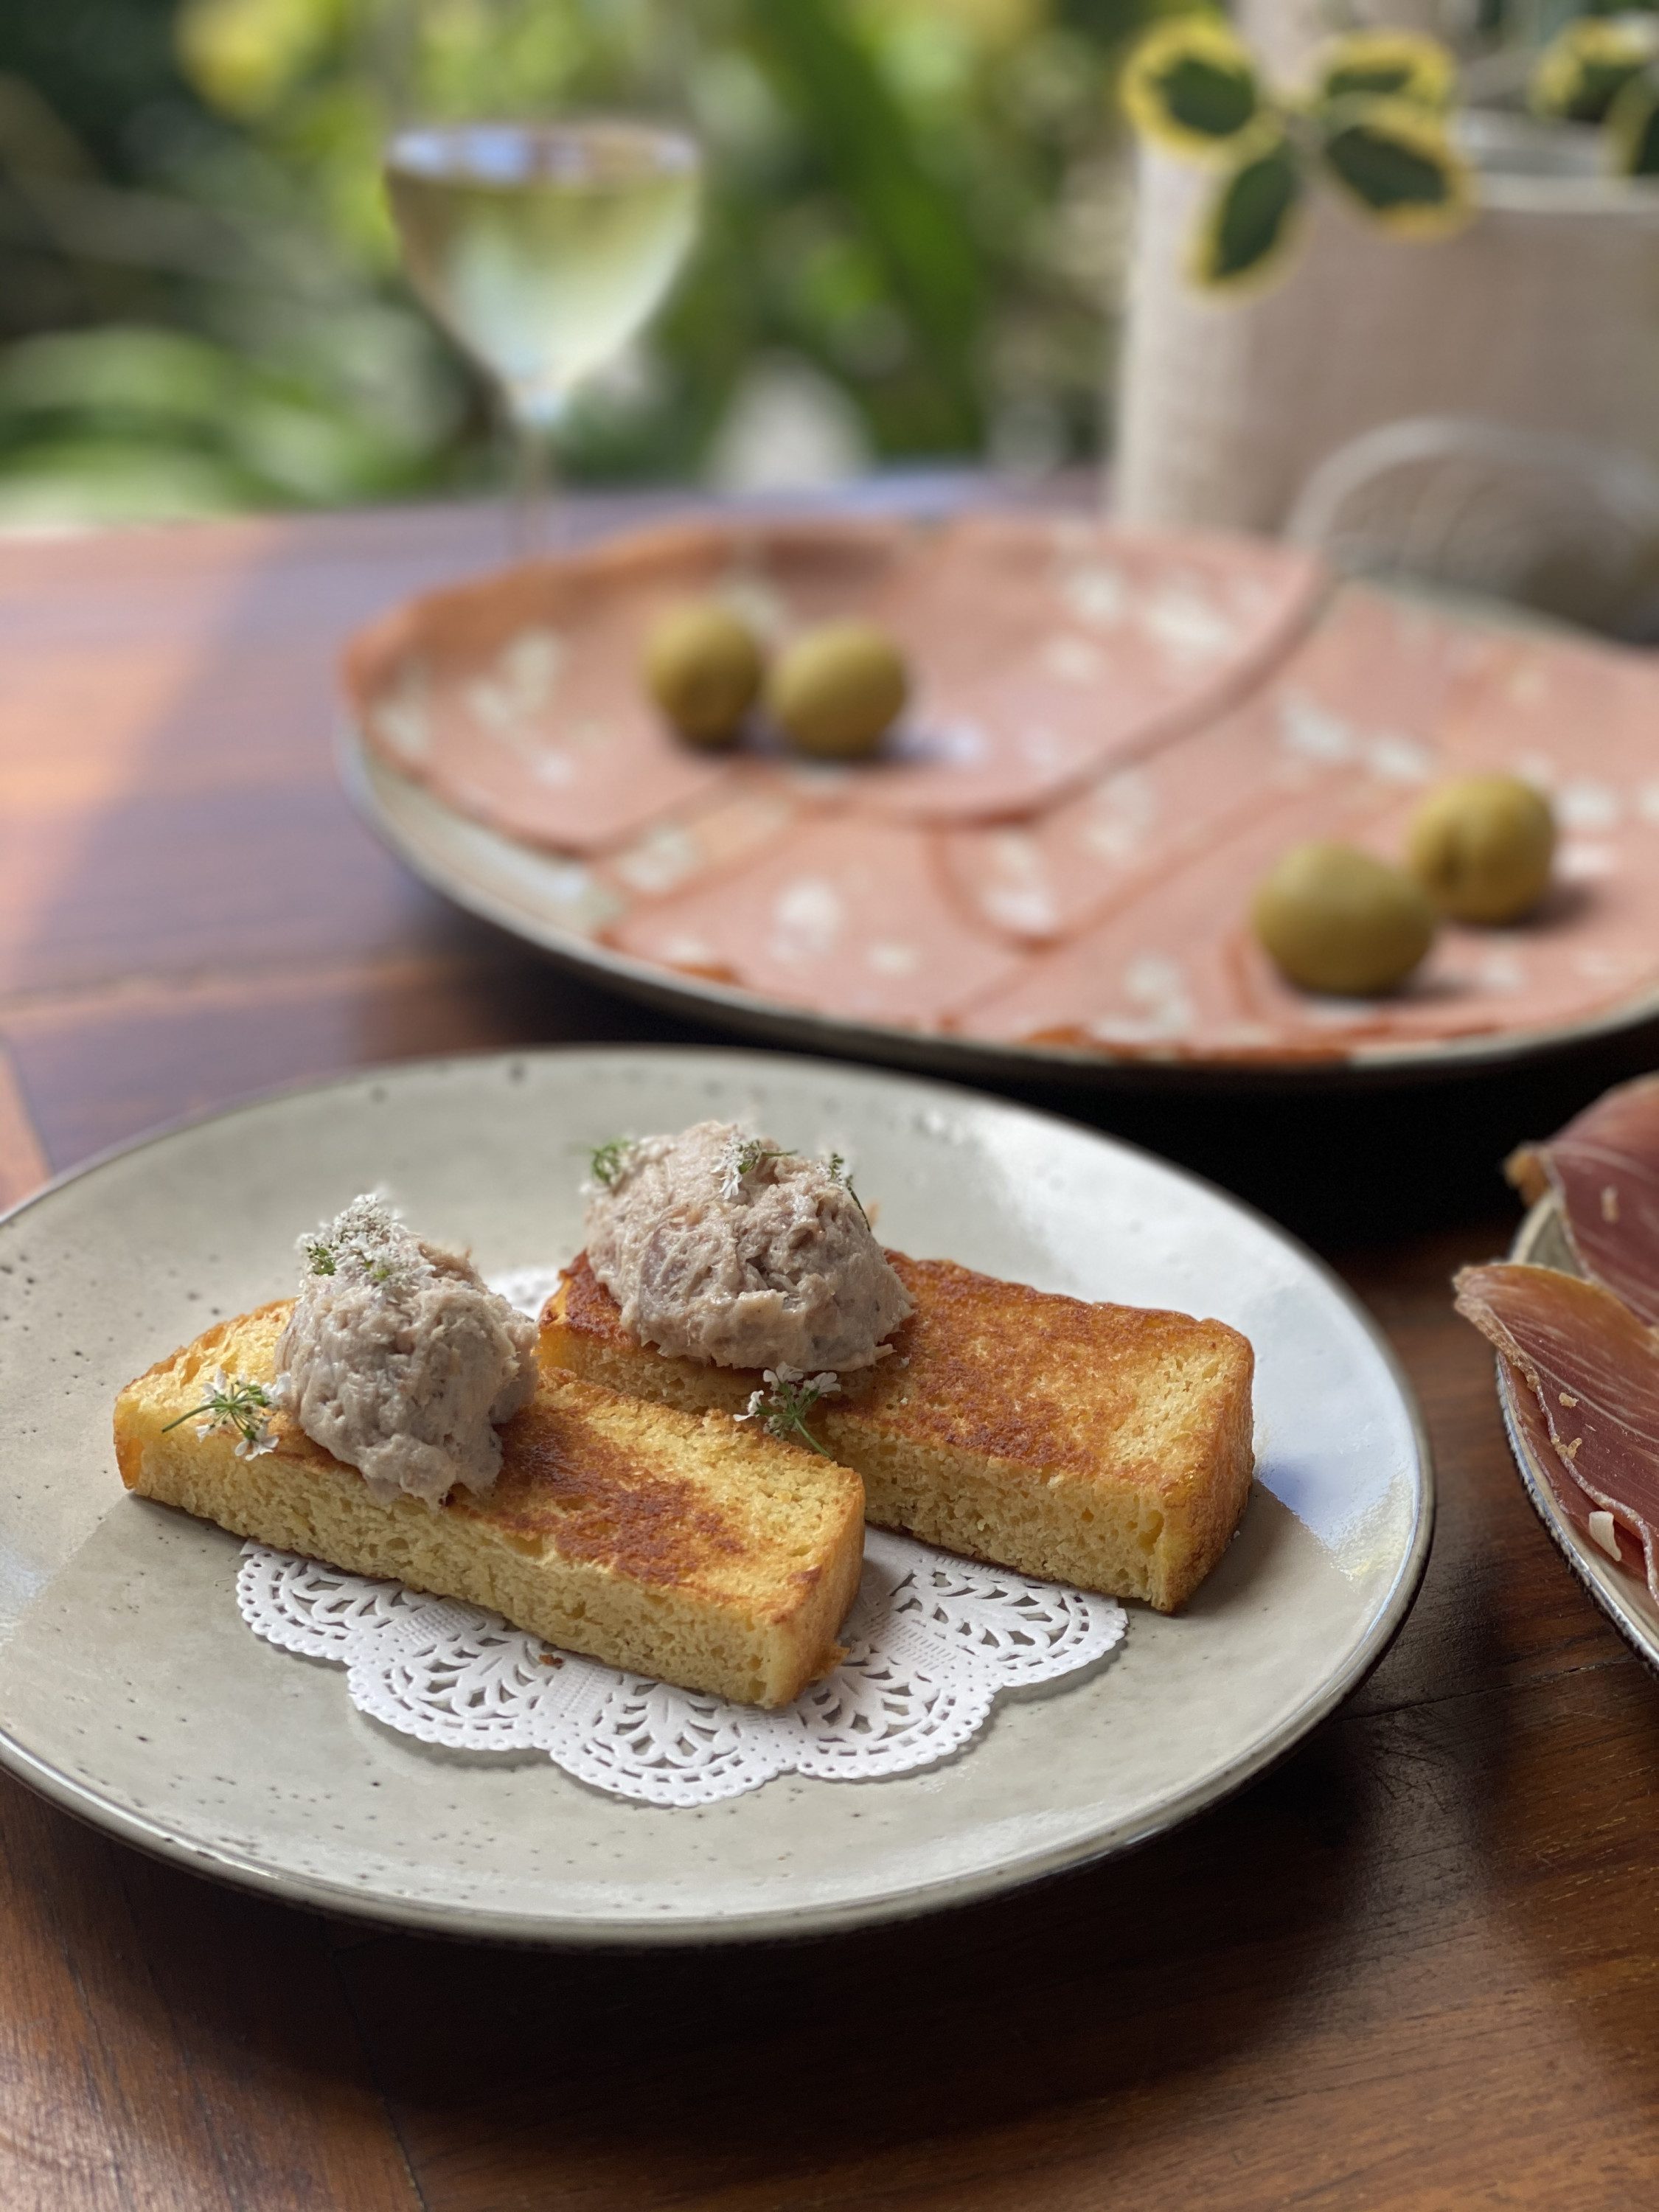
{"points": [[1414, 1967]]}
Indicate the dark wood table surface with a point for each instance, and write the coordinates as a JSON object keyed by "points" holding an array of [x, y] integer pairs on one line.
{"points": [[1415, 1967]]}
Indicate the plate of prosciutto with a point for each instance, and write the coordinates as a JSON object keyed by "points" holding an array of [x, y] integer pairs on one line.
{"points": [[1574, 1315], [1047, 859]]}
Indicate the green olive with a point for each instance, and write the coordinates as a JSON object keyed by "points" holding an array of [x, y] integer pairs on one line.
{"points": [[1334, 919], [703, 669], [836, 691], [1482, 847]]}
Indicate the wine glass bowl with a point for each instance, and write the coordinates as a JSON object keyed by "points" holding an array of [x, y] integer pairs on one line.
{"points": [[543, 247]]}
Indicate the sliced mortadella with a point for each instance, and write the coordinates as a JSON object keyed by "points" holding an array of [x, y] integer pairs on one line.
{"points": [[1578, 955], [1604, 1166], [1574, 715], [1576, 718], [1363, 695], [1046, 879], [519, 700], [530, 735], [1173, 968], [847, 917], [1150, 870], [1042, 651], [739, 818], [1594, 1370], [1379, 672], [1169, 973]]}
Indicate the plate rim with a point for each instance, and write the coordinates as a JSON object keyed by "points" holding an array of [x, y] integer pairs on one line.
{"points": [[1545, 1211], [309, 1891]]}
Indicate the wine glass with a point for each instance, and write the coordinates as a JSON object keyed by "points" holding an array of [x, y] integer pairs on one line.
{"points": [[542, 248]]}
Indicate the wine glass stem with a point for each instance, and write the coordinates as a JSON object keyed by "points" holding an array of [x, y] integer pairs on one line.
{"points": [[532, 490], [535, 417]]}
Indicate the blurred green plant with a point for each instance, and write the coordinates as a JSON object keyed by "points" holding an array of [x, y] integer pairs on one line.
{"points": [[919, 201], [1372, 121], [1605, 70]]}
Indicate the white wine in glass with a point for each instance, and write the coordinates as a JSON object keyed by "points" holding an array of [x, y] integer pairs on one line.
{"points": [[542, 248]]}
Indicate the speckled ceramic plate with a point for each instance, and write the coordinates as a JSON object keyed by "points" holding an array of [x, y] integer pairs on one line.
{"points": [[131, 1692], [1542, 1242]]}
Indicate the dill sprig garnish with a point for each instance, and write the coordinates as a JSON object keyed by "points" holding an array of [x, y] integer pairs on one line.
{"points": [[607, 1163], [788, 1397], [836, 1170], [232, 1402]]}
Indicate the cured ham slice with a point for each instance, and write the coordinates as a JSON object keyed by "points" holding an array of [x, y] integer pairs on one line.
{"points": [[1604, 1166], [1362, 696], [849, 918], [1593, 1370], [1042, 651], [1580, 1507]]}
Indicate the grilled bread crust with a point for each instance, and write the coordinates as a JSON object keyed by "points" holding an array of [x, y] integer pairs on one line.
{"points": [[672, 1544], [1108, 1446]]}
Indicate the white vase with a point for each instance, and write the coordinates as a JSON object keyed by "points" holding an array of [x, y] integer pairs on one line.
{"points": [[1543, 313]]}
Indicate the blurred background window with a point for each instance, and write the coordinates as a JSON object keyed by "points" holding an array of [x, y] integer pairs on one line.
{"points": [[909, 248]]}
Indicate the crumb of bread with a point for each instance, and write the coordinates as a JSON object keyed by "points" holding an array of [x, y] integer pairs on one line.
{"points": [[1106, 1446], [672, 1544]]}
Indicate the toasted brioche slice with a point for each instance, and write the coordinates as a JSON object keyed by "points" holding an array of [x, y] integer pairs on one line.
{"points": [[672, 1544], [1108, 1446]]}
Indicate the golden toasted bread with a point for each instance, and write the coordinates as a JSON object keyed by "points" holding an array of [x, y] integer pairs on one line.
{"points": [[1108, 1446], [672, 1544]]}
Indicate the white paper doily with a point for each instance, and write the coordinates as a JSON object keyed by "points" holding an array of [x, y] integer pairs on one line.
{"points": [[931, 1642]]}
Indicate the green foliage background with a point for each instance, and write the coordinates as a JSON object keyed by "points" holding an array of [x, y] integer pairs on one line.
{"points": [[199, 301]]}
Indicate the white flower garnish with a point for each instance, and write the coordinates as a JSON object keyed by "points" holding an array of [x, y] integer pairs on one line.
{"points": [[367, 1241], [742, 1157], [782, 1406], [232, 1403]]}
